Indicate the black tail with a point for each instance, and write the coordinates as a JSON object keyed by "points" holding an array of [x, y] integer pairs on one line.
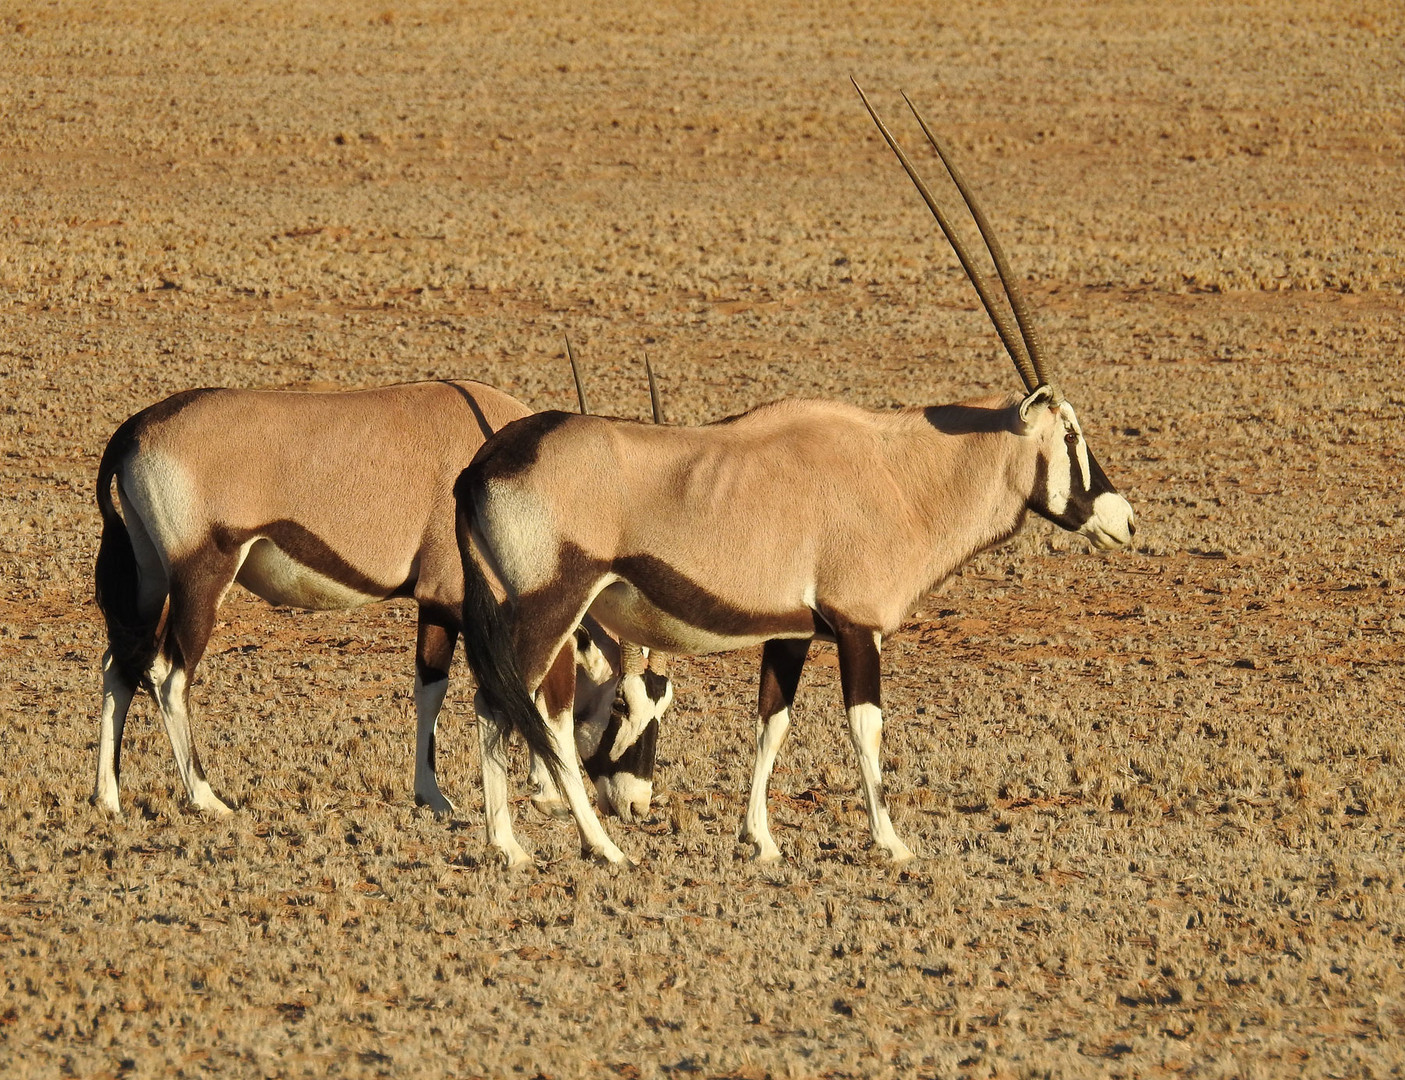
{"points": [[487, 640], [116, 579]]}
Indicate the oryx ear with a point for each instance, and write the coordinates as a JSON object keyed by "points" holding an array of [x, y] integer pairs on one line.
{"points": [[1040, 397]]}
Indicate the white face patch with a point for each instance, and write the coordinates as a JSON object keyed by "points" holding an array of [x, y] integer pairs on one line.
{"points": [[1080, 453], [1079, 447], [1067, 461], [1059, 481]]}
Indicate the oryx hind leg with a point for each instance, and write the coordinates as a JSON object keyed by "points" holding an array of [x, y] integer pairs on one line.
{"points": [[198, 584], [555, 698], [547, 666], [547, 659], [781, 663], [860, 676], [496, 808], [117, 694], [546, 796], [133, 606], [434, 654], [592, 668]]}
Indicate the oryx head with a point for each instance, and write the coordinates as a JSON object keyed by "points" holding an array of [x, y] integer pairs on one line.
{"points": [[617, 738], [1069, 488]]}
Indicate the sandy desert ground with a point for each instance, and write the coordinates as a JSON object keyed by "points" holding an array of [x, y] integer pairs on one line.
{"points": [[1157, 794]]}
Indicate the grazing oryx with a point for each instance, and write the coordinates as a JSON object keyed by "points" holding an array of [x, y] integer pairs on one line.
{"points": [[797, 520], [314, 500]]}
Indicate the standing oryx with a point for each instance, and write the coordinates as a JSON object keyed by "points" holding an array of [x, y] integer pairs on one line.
{"points": [[797, 520], [314, 500]]}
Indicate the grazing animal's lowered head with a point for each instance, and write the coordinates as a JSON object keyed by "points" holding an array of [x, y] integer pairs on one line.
{"points": [[617, 736]]}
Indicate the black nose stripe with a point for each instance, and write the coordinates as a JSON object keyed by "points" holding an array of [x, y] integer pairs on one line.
{"points": [[655, 685], [638, 760]]}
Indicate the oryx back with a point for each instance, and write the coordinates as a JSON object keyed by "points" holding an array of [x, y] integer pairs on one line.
{"points": [[326, 500], [712, 538]]}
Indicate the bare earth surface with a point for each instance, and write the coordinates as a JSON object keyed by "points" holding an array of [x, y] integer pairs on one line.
{"points": [[1157, 795]]}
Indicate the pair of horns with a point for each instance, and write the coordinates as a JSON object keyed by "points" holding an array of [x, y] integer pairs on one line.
{"points": [[654, 401], [632, 658], [1024, 347], [634, 661]]}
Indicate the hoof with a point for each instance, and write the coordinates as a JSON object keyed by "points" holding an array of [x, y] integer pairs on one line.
{"points": [[898, 854], [552, 808], [212, 804], [108, 804], [513, 858], [606, 856], [763, 850], [439, 806]]}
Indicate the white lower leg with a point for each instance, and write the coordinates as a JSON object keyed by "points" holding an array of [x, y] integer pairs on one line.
{"points": [[116, 700], [546, 797], [595, 841], [770, 733], [429, 699], [866, 731], [171, 694], [496, 810]]}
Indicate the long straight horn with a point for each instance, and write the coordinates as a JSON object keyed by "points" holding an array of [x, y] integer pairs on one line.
{"points": [[1013, 344], [576, 374], [997, 252], [654, 402]]}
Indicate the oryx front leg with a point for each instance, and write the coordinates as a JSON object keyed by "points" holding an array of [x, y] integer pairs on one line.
{"points": [[117, 694], [496, 809], [860, 675], [781, 664], [555, 699], [434, 652]]}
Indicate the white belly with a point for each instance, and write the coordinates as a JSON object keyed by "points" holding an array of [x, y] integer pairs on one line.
{"points": [[269, 572], [628, 614]]}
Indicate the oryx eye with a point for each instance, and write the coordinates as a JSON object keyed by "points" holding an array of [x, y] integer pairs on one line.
{"points": [[1071, 437]]}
